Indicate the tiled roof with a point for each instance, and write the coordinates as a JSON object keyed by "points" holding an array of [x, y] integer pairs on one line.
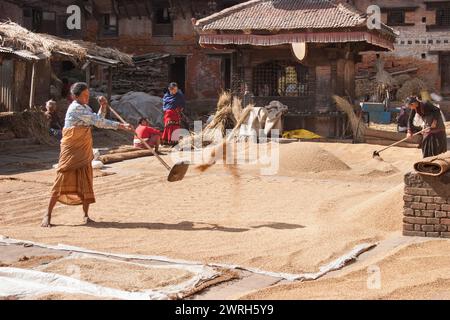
{"points": [[284, 15]]}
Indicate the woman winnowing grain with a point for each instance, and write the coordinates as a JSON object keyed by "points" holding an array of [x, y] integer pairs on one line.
{"points": [[434, 137], [74, 180]]}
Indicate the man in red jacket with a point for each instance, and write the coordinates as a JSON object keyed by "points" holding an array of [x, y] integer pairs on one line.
{"points": [[151, 135]]}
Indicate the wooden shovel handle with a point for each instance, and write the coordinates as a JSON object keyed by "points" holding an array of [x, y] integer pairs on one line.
{"points": [[142, 141]]}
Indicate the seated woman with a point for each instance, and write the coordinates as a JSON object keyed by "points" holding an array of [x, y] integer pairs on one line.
{"points": [[150, 135], [434, 136], [54, 123]]}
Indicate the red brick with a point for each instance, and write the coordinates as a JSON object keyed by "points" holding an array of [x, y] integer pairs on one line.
{"points": [[432, 193], [433, 221], [408, 198], [415, 233], [445, 221], [433, 234], [433, 206], [417, 227], [440, 214], [418, 205], [428, 213], [416, 191], [408, 227], [440, 227], [439, 200], [428, 228], [445, 207], [410, 212], [444, 234], [427, 199], [415, 220]]}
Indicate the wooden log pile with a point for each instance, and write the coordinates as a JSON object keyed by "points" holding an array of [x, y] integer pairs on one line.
{"points": [[386, 138], [150, 75]]}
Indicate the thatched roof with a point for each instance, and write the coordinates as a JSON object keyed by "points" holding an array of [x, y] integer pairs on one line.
{"points": [[17, 38]]}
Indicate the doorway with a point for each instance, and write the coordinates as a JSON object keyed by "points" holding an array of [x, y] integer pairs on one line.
{"points": [[177, 72], [226, 72]]}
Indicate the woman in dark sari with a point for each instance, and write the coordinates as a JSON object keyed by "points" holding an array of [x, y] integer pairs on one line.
{"points": [[173, 105], [434, 137]]}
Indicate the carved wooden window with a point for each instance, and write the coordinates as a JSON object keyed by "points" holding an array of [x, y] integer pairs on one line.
{"points": [[443, 17], [280, 78], [162, 19], [395, 17], [110, 25]]}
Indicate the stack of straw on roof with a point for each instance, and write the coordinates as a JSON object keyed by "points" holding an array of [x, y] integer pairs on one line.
{"points": [[16, 37]]}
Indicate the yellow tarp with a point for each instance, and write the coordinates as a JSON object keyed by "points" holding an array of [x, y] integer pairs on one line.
{"points": [[300, 134]]}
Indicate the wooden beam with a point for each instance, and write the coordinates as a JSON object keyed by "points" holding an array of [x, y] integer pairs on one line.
{"points": [[124, 4], [33, 85], [110, 72], [137, 9], [180, 6], [88, 75], [148, 9], [115, 8]]}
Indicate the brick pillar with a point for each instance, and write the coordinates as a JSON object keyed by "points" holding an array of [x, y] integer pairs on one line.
{"points": [[427, 206]]}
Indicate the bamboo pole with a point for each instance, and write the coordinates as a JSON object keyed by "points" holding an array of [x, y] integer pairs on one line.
{"points": [[33, 85]]}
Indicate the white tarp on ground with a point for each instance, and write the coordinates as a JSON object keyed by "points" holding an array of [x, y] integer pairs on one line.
{"points": [[336, 264], [25, 283], [134, 105]]}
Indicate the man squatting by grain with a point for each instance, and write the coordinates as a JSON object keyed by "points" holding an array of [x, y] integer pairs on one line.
{"points": [[74, 180]]}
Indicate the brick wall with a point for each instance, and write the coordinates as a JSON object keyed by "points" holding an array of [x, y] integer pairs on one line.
{"points": [[427, 206], [414, 40]]}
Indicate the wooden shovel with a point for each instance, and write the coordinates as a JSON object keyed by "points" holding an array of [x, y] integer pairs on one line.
{"points": [[177, 172]]}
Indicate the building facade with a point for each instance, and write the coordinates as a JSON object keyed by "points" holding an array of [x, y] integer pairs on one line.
{"points": [[423, 41], [260, 34], [139, 28]]}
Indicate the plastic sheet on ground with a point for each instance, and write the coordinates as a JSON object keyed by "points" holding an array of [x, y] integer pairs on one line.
{"points": [[301, 134], [134, 105]]}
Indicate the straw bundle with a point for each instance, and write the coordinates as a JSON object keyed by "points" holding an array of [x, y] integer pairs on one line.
{"points": [[32, 124], [228, 112], [358, 127], [221, 148], [412, 87]]}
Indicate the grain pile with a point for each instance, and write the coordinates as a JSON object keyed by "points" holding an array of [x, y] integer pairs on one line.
{"points": [[299, 157], [376, 168], [414, 272]]}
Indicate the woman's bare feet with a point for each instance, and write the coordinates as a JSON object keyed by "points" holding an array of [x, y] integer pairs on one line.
{"points": [[46, 222], [88, 220]]}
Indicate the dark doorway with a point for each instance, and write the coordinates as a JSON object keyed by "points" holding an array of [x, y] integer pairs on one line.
{"points": [[445, 73], [67, 66], [226, 73], [177, 72]]}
